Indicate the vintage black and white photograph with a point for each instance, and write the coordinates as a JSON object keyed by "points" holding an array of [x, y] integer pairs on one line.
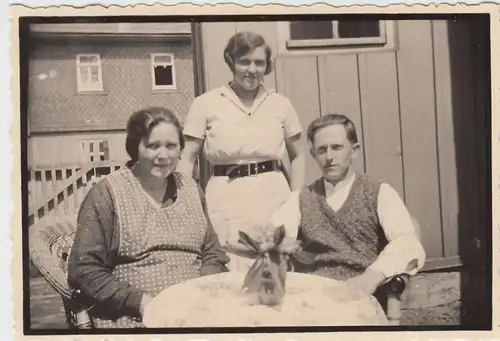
{"points": [[316, 172]]}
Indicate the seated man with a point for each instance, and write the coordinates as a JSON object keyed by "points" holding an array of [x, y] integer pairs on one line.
{"points": [[354, 227]]}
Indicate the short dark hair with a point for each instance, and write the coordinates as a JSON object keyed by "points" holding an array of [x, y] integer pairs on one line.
{"points": [[332, 119], [142, 122], [243, 42]]}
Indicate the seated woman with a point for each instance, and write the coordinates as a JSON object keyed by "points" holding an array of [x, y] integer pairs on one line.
{"points": [[143, 228]]}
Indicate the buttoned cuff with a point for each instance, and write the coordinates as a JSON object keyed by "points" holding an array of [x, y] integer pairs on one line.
{"points": [[391, 269]]}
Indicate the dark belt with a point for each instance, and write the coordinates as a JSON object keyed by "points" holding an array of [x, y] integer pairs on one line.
{"points": [[239, 171]]}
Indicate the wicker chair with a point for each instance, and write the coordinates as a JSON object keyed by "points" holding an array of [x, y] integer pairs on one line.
{"points": [[49, 247], [49, 250]]}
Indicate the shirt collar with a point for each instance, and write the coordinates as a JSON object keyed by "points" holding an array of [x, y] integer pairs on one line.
{"points": [[226, 91], [345, 183]]}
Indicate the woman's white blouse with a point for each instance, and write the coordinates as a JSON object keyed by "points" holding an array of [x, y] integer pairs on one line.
{"points": [[234, 134]]}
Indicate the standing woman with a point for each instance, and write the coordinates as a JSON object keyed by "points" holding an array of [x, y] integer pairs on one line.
{"points": [[245, 130]]}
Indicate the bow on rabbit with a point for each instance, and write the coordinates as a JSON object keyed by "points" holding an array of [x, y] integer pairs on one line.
{"points": [[267, 276]]}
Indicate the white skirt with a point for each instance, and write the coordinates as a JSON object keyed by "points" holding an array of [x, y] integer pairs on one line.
{"points": [[244, 204]]}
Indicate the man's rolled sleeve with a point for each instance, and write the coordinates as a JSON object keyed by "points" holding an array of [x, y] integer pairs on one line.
{"points": [[404, 253]]}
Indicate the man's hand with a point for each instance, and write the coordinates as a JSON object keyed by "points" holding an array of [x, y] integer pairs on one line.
{"points": [[367, 282]]}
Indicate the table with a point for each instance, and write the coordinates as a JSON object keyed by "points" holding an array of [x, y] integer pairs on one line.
{"points": [[219, 301]]}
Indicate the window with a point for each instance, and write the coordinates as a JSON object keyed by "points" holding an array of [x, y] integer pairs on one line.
{"points": [[95, 150], [163, 71], [307, 34], [89, 72]]}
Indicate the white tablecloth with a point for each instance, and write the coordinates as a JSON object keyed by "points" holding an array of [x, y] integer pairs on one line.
{"points": [[219, 301]]}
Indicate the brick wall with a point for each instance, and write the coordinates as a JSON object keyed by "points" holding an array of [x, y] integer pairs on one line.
{"points": [[55, 104]]}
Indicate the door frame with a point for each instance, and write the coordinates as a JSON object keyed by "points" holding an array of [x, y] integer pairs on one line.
{"points": [[200, 87]]}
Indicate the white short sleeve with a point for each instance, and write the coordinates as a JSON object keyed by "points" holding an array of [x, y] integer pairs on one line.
{"points": [[196, 120], [291, 124]]}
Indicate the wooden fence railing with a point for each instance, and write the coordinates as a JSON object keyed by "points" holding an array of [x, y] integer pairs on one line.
{"points": [[59, 190]]}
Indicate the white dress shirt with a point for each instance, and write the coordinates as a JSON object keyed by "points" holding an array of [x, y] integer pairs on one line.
{"points": [[404, 252]]}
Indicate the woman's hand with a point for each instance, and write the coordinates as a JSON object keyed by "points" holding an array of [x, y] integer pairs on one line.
{"points": [[367, 282]]}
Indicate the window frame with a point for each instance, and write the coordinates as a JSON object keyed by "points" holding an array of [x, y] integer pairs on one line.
{"points": [[386, 41], [174, 74], [97, 152], [94, 87]]}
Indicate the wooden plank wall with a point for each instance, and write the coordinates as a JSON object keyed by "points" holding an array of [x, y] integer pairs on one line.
{"points": [[380, 114], [413, 108], [445, 133], [418, 128], [302, 87]]}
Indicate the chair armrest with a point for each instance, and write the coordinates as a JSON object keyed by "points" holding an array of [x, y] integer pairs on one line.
{"points": [[77, 315], [78, 312], [48, 265], [395, 289], [397, 285]]}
